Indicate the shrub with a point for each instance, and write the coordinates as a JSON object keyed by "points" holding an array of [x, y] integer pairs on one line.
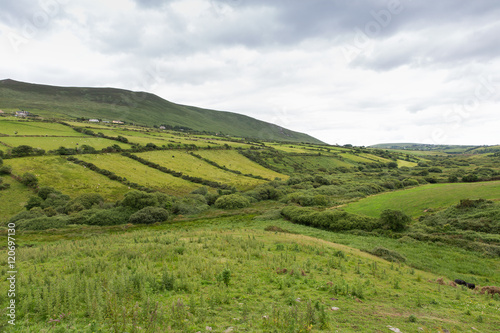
{"points": [[435, 170], [33, 202], [191, 204], [3, 186], [392, 165], [26, 215], [6, 170], [44, 191], [410, 182], [394, 220], [139, 200], [387, 254], [149, 215], [42, 223], [113, 216], [84, 201], [232, 201], [29, 180], [470, 178]]}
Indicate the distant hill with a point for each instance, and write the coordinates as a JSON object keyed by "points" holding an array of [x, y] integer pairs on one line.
{"points": [[140, 108], [449, 149]]}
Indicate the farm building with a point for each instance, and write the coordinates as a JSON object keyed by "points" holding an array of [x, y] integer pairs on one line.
{"points": [[93, 120]]}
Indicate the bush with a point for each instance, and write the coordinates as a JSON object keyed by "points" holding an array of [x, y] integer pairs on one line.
{"points": [[392, 165], [470, 178], [139, 200], [33, 202], [84, 201], [149, 215], [333, 220], [29, 180], [232, 201], [102, 217], [394, 220], [6, 170], [410, 182], [387, 254], [42, 223], [44, 192], [191, 204]]}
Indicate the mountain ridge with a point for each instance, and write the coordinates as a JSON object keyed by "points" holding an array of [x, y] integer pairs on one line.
{"points": [[140, 108]]}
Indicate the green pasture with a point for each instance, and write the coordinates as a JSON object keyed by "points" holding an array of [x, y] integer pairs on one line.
{"points": [[403, 163], [235, 161], [141, 174], [52, 143], [23, 127], [230, 275], [192, 166], [415, 200], [69, 178], [13, 199]]}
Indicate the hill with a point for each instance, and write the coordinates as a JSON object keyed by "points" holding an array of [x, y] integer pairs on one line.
{"points": [[448, 149], [135, 107]]}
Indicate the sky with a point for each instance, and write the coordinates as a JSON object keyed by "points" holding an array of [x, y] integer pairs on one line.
{"points": [[346, 72]]}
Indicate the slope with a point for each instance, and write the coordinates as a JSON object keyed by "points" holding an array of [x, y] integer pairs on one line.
{"points": [[135, 107]]}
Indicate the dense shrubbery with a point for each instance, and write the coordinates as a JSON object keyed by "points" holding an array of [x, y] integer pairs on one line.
{"points": [[232, 201], [333, 220], [149, 215], [394, 220]]}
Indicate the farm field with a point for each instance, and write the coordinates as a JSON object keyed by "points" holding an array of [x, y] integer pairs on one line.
{"points": [[13, 199], [192, 166], [141, 174], [52, 143], [415, 200], [69, 178], [23, 127], [230, 272], [235, 161]]}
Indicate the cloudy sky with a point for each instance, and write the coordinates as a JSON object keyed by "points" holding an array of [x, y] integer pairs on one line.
{"points": [[346, 71]]}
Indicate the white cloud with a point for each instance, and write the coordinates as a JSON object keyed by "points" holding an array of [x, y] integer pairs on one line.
{"points": [[281, 61]]}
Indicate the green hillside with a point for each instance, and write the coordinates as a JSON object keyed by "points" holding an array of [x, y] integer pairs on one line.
{"points": [[135, 107]]}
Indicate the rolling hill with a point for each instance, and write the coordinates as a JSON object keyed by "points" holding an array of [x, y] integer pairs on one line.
{"points": [[140, 108]]}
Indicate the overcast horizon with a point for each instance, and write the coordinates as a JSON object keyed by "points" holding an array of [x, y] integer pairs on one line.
{"points": [[345, 72]]}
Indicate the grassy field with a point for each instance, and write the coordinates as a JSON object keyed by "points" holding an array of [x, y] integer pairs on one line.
{"points": [[13, 199], [141, 174], [22, 127], [192, 166], [433, 196], [67, 177], [217, 274], [233, 160], [51, 143]]}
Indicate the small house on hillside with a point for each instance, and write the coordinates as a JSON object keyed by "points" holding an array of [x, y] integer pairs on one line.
{"points": [[22, 113], [117, 122], [93, 120], [162, 127]]}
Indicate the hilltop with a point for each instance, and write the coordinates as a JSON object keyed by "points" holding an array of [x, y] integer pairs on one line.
{"points": [[140, 108]]}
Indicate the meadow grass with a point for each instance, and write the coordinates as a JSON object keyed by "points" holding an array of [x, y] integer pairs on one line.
{"points": [[69, 178], [192, 166], [141, 174], [235, 161], [23, 127], [52, 143], [13, 199], [415, 200], [228, 272]]}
